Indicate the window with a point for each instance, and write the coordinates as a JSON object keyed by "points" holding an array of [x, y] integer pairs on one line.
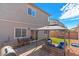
{"points": [[45, 32], [23, 32], [20, 32], [31, 12]]}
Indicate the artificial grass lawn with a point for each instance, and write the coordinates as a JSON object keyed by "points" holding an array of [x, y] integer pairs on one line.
{"points": [[57, 40]]}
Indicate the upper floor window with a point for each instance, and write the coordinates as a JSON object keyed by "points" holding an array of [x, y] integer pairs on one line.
{"points": [[31, 12]]}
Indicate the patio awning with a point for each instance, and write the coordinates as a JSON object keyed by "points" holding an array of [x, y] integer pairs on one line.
{"points": [[52, 28]]}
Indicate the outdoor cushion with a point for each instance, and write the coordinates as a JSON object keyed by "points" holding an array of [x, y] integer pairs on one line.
{"points": [[61, 45]]}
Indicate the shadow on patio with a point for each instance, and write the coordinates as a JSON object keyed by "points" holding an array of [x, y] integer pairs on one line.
{"points": [[38, 51]]}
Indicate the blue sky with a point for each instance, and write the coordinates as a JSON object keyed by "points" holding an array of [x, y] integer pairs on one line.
{"points": [[55, 10]]}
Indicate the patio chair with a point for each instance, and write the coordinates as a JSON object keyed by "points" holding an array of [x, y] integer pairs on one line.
{"points": [[23, 41]]}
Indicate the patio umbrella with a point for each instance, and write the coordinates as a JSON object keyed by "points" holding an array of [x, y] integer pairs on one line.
{"points": [[51, 28]]}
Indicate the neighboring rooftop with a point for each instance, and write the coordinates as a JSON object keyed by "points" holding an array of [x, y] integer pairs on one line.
{"points": [[76, 28], [56, 22]]}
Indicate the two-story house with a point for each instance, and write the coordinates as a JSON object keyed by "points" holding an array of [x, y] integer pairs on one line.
{"points": [[18, 20]]}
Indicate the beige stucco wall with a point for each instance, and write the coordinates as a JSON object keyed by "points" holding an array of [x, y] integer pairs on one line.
{"points": [[18, 12], [7, 32], [15, 15]]}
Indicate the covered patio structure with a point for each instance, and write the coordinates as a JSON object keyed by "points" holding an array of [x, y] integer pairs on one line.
{"points": [[53, 28]]}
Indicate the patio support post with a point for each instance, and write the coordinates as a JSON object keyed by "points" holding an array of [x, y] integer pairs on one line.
{"points": [[36, 37], [48, 34], [65, 43], [69, 38], [78, 35], [68, 51]]}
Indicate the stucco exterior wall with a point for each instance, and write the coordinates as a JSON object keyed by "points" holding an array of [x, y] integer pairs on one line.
{"points": [[15, 15], [18, 12], [7, 34]]}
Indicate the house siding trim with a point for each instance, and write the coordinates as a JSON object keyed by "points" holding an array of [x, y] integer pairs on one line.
{"points": [[18, 22]]}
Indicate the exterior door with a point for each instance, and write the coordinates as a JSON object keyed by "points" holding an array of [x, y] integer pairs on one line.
{"points": [[33, 34]]}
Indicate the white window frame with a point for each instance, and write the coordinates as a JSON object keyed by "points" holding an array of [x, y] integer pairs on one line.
{"points": [[33, 10], [21, 32]]}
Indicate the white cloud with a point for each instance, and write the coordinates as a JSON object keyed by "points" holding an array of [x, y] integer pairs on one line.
{"points": [[62, 9], [70, 10], [75, 18]]}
